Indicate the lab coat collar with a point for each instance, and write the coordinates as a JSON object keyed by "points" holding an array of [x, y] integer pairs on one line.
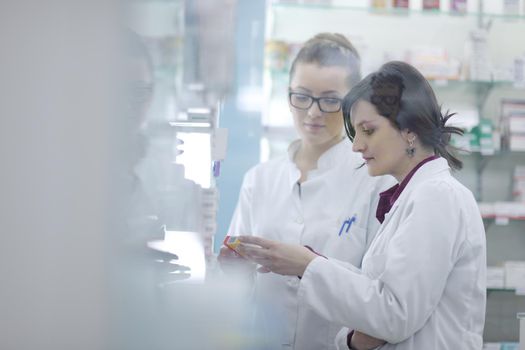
{"points": [[427, 170], [335, 154], [328, 160]]}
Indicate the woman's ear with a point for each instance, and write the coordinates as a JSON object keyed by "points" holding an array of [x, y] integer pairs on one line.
{"points": [[409, 136]]}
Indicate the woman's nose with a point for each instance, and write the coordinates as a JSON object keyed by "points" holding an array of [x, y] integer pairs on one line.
{"points": [[357, 145], [314, 110]]}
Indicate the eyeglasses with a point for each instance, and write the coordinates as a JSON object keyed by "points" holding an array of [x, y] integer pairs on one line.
{"points": [[326, 104]]}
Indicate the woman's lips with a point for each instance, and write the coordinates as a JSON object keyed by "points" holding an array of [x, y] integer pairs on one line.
{"points": [[313, 127]]}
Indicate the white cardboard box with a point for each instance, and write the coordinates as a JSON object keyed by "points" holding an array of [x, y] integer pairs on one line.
{"points": [[495, 277], [515, 274], [521, 317]]}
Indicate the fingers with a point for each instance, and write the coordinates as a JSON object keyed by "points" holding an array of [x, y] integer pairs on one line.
{"points": [[258, 250], [253, 253], [174, 277], [171, 268], [179, 276], [263, 269], [265, 243], [232, 262], [177, 269], [165, 256], [159, 255], [365, 341], [179, 142], [228, 253], [255, 249], [259, 256], [264, 262]]}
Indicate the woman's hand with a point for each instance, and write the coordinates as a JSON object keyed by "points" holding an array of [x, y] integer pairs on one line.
{"points": [[361, 341], [233, 263], [278, 257]]}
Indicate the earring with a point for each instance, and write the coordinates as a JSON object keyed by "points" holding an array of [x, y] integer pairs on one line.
{"points": [[411, 150]]}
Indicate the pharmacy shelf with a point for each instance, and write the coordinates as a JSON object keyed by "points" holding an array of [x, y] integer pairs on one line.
{"points": [[514, 218], [480, 162], [498, 154], [391, 11], [287, 131], [439, 84], [282, 76], [503, 210], [505, 290]]}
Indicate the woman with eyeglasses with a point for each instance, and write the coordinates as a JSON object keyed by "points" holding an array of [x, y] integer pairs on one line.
{"points": [[315, 196]]}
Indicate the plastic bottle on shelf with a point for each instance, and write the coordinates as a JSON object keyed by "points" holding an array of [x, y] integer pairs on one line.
{"points": [[379, 4], [458, 6], [511, 7], [402, 4], [521, 317], [519, 71], [431, 5], [480, 66]]}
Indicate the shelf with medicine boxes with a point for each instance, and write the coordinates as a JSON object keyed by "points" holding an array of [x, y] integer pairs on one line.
{"points": [[507, 10], [437, 47], [493, 175], [502, 212], [505, 290], [465, 55]]}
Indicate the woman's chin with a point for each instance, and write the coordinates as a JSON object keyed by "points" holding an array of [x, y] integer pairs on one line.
{"points": [[314, 138], [373, 171]]}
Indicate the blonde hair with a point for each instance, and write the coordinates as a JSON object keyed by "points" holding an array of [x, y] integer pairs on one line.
{"points": [[330, 49]]}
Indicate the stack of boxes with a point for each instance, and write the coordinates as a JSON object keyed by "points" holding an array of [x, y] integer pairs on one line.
{"points": [[511, 275], [481, 138], [518, 187], [516, 123], [495, 277], [515, 275], [479, 62], [501, 346], [434, 62], [209, 204], [513, 124]]}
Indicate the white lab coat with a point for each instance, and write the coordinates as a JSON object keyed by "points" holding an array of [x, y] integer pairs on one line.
{"points": [[423, 280], [272, 205]]}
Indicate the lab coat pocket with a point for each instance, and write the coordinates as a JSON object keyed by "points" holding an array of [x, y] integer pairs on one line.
{"points": [[374, 266], [356, 244], [356, 234]]}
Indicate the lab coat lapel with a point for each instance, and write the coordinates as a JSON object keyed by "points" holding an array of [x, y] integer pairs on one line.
{"points": [[389, 215], [428, 170], [387, 219]]}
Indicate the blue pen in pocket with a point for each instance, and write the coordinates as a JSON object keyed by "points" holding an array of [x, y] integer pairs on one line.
{"points": [[347, 224]]}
